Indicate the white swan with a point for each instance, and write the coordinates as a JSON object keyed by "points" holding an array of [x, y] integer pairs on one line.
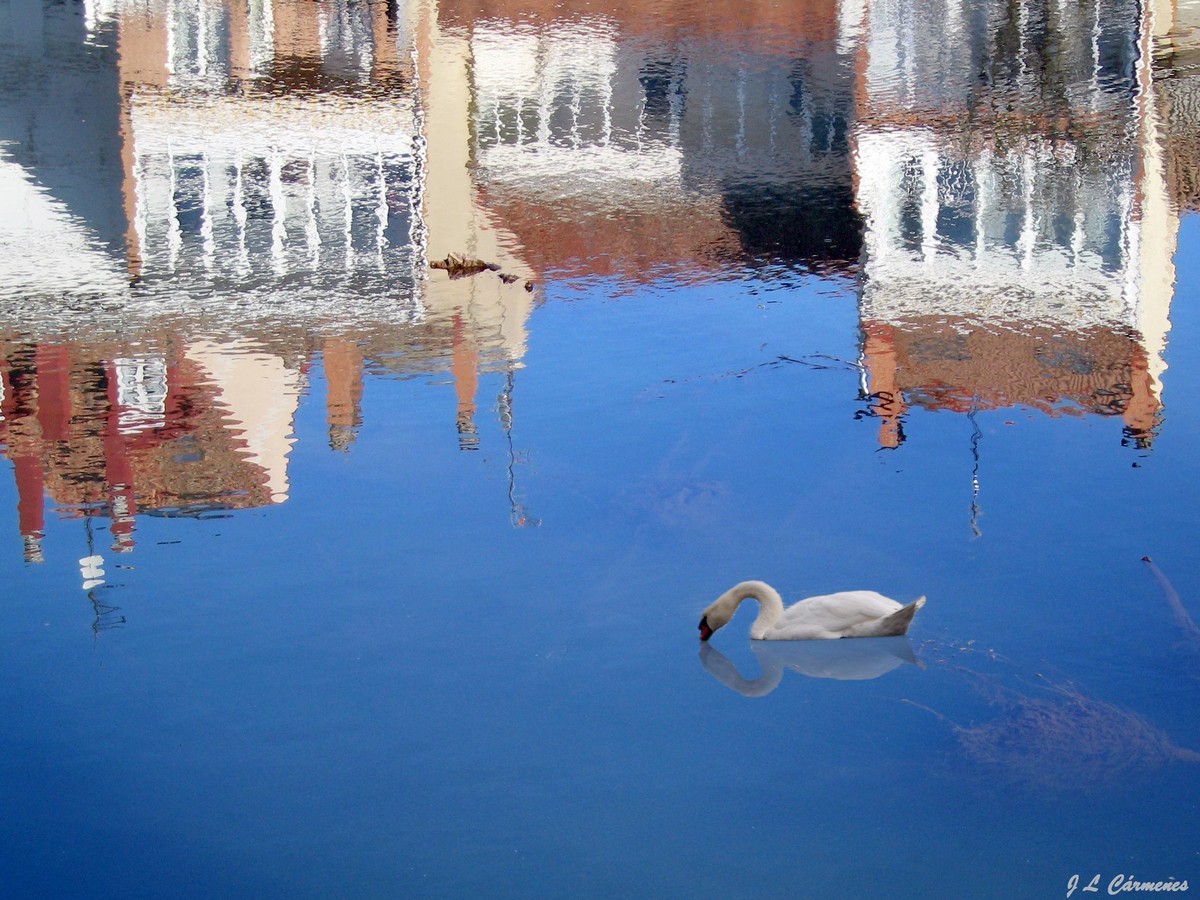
{"points": [[848, 614]]}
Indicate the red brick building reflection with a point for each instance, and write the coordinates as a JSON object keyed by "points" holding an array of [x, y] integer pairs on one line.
{"points": [[102, 435], [935, 365], [204, 426]]}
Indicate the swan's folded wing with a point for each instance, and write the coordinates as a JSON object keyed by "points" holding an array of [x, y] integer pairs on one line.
{"points": [[831, 614]]}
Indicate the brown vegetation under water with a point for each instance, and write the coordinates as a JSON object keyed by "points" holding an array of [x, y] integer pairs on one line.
{"points": [[1058, 737], [1063, 739]]}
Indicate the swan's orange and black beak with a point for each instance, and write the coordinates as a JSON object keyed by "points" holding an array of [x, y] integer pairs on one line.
{"points": [[705, 631]]}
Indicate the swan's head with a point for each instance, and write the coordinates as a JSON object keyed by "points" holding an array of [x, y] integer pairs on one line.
{"points": [[716, 616]]}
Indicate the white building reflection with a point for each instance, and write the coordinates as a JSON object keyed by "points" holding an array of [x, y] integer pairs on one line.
{"points": [[266, 143], [1013, 255], [227, 185], [616, 144], [548, 114]]}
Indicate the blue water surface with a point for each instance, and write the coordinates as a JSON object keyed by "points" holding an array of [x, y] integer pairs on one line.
{"points": [[458, 656], [380, 688]]}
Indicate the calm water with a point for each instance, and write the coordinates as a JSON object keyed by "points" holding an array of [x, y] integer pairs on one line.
{"points": [[325, 573]]}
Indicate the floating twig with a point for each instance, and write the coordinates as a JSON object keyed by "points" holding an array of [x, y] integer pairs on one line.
{"points": [[458, 266]]}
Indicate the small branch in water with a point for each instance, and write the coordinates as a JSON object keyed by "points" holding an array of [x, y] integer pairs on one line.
{"points": [[828, 362], [458, 266], [825, 364], [1182, 619]]}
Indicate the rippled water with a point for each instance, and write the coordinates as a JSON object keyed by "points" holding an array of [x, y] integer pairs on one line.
{"points": [[386, 388]]}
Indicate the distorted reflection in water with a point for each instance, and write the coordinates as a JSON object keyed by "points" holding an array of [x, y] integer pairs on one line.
{"points": [[395, 381]]}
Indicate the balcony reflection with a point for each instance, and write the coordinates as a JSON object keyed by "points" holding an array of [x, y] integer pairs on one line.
{"points": [[266, 185]]}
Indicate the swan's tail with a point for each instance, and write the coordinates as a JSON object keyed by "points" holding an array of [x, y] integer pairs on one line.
{"points": [[898, 622]]}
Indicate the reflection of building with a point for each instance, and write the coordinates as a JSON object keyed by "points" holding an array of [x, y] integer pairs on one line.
{"points": [[267, 170], [200, 427], [1019, 239], [115, 437], [619, 143], [1177, 90], [270, 162], [999, 192], [930, 362], [266, 137]]}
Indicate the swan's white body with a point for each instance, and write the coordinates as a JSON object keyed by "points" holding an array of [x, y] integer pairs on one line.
{"points": [[842, 615]]}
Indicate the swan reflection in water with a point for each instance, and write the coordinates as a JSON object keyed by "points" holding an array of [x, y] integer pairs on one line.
{"points": [[859, 660]]}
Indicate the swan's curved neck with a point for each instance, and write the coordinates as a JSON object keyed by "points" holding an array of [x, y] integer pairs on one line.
{"points": [[770, 604]]}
